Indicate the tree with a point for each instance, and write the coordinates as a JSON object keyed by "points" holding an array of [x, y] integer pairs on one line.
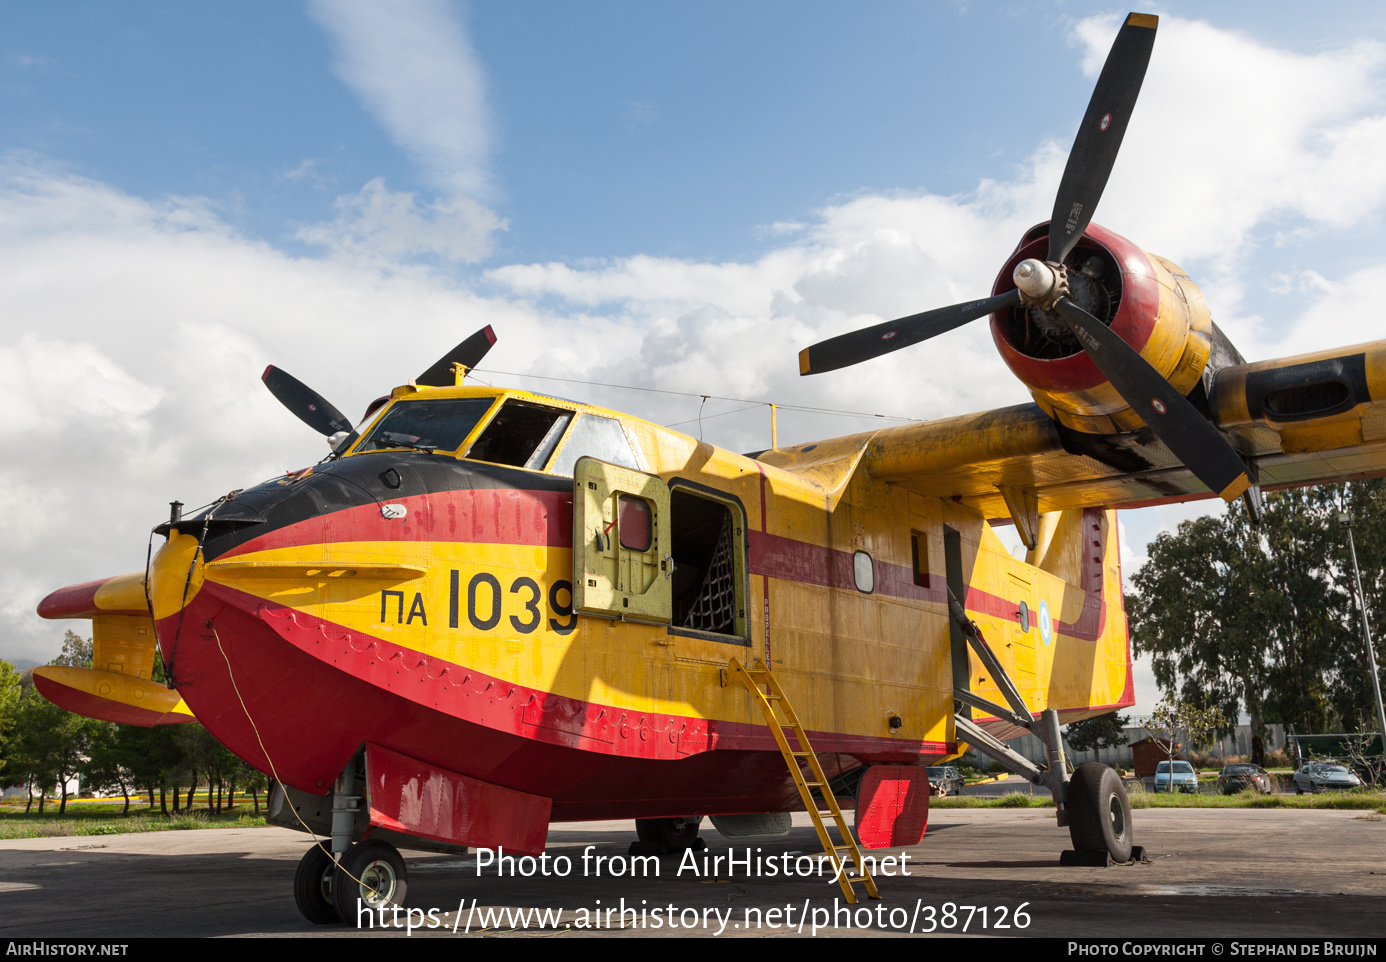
{"points": [[77, 651], [49, 746], [9, 706], [1352, 697], [1259, 619], [154, 758], [1090, 734], [106, 765]]}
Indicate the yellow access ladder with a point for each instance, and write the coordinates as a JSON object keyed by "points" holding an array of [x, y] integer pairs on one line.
{"points": [[759, 675]]}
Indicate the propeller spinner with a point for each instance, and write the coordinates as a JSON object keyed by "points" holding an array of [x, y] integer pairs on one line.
{"points": [[1044, 285]]}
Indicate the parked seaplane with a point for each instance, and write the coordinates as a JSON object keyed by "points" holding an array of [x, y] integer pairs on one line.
{"points": [[488, 609]]}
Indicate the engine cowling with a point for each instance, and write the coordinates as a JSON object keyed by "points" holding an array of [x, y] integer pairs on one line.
{"points": [[1148, 301]]}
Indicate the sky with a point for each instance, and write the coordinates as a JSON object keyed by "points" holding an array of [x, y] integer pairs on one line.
{"points": [[650, 195]]}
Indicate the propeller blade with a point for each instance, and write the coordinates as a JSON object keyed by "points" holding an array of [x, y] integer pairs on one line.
{"points": [[308, 405], [857, 346], [1099, 135], [1174, 420], [469, 354]]}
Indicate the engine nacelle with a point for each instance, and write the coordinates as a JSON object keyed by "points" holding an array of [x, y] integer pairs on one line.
{"points": [[1151, 303]]}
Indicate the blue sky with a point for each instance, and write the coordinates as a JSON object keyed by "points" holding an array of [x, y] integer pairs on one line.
{"points": [[651, 194], [618, 128]]}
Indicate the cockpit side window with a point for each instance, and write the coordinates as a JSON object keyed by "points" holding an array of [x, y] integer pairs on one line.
{"points": [[597, 437], [433, 425], [521, 434]]}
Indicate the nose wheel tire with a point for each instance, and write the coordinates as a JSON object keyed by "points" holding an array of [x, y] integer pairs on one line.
{"points": [[1099, 813], [313, 887], [372, 876]]}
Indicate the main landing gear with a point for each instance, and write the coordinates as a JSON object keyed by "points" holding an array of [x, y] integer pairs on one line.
{"points": [[660, 836], [1099, 815], [1093, 803], [370, 877]]}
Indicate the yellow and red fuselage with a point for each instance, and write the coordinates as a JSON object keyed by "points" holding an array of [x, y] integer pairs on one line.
{"points": [[445, 631]]}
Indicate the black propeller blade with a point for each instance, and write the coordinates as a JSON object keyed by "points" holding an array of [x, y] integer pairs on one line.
{"points": [[1089, 165], [1099, 135], [857, 346], [310, 407], [1175, 421], [469, 354], [318, 413], [1170, 416]]}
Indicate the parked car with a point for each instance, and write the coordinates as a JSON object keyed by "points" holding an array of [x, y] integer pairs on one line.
{"points": [[1235, 778], [1324, 776], [1185, 779], [945, 780]]}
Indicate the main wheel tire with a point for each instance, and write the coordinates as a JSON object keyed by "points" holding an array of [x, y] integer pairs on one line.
{"points": [[1099, 813], [675, 834], [313, 887], [372, 873]]}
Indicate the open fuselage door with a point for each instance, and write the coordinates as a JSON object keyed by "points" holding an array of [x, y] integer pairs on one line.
{"points": [[621, 558]]}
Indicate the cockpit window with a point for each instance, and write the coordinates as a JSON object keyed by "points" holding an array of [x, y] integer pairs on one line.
{"points": [[521, 434], [435, 425], [595, 437]]}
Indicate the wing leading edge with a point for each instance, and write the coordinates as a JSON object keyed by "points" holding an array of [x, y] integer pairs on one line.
{"points": [[1296, 421]]}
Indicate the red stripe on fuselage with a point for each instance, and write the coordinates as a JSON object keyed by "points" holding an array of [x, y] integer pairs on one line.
{"points": [[475, 515], [798, 561], [813, 564], [545, 518]]}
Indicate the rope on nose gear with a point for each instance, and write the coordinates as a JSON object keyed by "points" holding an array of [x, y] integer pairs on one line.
{"points": [[274, 773]]}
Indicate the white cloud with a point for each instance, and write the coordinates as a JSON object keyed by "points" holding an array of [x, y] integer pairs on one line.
{"points": [[387, 225], [413, 66], [1346, 312], [1229, 133]]}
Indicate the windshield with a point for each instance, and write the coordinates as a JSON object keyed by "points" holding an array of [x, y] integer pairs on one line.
{"points": [[440, 425], [1180, 768]]}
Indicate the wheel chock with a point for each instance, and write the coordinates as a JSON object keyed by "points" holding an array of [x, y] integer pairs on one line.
{"points": [[1100, 858]]}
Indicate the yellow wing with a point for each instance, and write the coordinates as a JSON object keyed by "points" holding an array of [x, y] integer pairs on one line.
{"points": [[119, 687], [1296, 421]]}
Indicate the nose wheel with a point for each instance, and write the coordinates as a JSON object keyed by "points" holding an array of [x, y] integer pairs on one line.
{"points": [[313, 887], [371, 876]]}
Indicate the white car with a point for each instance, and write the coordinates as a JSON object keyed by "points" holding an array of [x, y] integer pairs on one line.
{"points": [[1185, 779], [1324, 776]]}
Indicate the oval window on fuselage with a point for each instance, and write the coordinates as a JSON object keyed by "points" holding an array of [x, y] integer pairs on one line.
{"points": [[864, 571]]}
